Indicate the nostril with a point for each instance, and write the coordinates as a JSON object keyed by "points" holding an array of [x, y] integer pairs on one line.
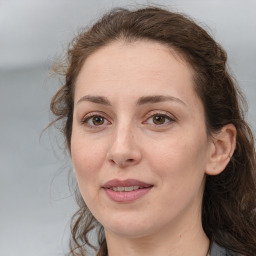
{"points": [[130, 160], [112, 161]]}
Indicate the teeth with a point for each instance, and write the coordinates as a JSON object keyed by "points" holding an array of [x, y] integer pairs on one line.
{"points": [[122, 189]]}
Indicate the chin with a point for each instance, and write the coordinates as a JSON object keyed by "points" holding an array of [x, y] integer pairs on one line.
{"points": [[131, 232], [129, 227]]}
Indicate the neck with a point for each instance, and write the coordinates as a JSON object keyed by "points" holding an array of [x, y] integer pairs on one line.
{"points": [[170, 241]]}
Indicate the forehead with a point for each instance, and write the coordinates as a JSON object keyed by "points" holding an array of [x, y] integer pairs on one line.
{"points": [[137, 67], [120, 55]]}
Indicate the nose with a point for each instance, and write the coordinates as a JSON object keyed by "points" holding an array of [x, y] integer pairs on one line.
{"points": [[124, 150]]}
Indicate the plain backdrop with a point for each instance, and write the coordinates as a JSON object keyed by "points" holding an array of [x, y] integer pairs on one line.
{"points": [[35, 201]]}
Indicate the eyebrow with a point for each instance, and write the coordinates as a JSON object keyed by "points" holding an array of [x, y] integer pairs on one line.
{"points": [[158, 98], [141, 101], [95, 99]]}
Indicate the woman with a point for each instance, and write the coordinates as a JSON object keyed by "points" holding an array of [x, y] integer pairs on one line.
{"points": [[163, 158]]}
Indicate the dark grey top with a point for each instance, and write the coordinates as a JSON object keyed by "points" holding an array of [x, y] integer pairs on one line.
{"points": [[217, 250]]}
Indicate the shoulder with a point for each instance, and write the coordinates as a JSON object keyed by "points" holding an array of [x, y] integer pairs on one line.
{"points": [[217, 250]]}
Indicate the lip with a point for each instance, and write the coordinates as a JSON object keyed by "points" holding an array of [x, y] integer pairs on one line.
{"points": [[126, 183], [125, 196]]}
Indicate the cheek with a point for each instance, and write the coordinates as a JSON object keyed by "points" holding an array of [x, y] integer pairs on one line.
{"points": [[86, 163], [87, 159], [172, 153], [180, 162]]}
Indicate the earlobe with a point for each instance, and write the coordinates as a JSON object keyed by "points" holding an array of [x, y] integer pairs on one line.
{"points": [[221, 149]]}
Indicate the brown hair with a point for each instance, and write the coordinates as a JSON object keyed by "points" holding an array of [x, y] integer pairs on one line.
{"points": [[229, 203]]}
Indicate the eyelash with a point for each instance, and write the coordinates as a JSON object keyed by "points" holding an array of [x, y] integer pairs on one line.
{"points": [[89, 117], [85, 121], [168, 119]]}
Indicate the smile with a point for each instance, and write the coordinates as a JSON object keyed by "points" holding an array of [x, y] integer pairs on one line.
{"points": [[127, 190]]}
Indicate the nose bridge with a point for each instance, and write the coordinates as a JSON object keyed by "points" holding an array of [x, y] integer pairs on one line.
{"points": [[123, 148], [123, 138]]}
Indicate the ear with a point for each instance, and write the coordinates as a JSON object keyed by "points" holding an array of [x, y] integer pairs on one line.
{"points": [[222, 147]]}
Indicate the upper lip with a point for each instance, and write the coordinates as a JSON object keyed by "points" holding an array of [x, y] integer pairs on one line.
{"points": [[126, 183]]}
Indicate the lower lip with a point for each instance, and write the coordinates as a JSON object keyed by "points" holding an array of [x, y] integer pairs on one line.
{"points": [[123, 197]]}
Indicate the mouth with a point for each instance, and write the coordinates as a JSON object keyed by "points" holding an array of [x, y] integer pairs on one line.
{"points": [[126, 190], [126, 185]]}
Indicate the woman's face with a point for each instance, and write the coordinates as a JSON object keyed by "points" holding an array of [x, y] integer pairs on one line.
{"points": [[139, 144]]}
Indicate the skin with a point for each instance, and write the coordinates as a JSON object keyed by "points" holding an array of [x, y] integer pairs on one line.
{"points": [[174, 156]]}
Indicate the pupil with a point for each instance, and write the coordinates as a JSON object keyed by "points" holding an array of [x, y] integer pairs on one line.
{"points": [[159, 119], [97, 120]]}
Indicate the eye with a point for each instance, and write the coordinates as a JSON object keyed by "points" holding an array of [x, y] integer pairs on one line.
{"points": [[95, 121], [159, 119]]}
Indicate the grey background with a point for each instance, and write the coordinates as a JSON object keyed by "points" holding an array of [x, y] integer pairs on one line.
{"points": [[35, 201]]}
